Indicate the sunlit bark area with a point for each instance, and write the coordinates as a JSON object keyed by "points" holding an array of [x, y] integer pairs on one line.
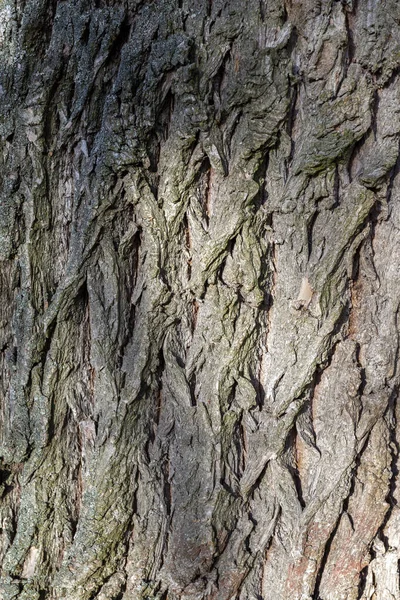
{"points": [[199, 299]]}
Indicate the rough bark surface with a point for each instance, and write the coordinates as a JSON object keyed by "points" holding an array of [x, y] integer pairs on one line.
{"points": [[199, 299]]}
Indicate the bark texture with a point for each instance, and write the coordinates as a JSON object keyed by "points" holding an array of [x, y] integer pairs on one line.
{"points": [[199, 299]]}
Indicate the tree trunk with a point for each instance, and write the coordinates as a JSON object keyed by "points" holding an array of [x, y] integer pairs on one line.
{"points": [[199, 334]]}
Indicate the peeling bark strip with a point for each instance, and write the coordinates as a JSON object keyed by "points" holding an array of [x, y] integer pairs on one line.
{"points": [[199, 281]]}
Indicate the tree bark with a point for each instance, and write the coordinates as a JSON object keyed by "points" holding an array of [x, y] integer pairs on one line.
{"points": [[199, 281]]}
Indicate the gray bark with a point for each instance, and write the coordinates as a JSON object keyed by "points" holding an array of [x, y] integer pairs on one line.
{"points": [[199, 299]]}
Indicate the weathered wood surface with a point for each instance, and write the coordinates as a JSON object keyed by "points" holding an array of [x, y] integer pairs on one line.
{"points": [[199, 299]]}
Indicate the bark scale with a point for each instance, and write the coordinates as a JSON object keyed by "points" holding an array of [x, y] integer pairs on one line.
{"points": [[199, 281]]}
